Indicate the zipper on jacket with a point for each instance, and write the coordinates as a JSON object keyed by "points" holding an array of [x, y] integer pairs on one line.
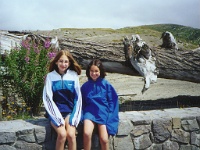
{"points": [[62, 81]]}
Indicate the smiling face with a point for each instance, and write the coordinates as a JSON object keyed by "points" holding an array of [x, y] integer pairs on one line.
{"points": [[63, 63], [94, 72]]}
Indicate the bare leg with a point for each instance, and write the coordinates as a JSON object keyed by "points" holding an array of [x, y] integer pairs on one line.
{"points": [[61, 136], [87, 134], [103, 136], [71, 134]]}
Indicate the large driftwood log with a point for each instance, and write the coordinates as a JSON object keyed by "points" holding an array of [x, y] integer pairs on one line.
{"points": [[180, 65], [12, 39]]}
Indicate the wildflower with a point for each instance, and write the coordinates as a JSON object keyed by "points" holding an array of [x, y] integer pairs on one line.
{"points": [[36, 50], [51, 55], [36, 46], [27, 59], [25, 44], [28, 67], [9, 117], [47, 43], [3, 112], [23, 104]]}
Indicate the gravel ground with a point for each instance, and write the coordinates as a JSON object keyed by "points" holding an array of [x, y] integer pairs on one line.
{"points": [[129, 87]]}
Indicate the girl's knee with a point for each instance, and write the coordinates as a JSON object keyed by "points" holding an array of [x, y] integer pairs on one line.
{"points": [[87, 134], [61, 136], [104, 140], [71, 136]]}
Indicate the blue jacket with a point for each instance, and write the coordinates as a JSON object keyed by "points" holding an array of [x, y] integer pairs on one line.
{"points": [[61, 94], [100, 104]]}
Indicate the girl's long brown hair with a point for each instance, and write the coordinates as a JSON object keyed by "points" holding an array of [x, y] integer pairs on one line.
{"points": [[73, 63]]}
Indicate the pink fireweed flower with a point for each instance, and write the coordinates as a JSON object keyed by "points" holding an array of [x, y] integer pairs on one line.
{"points": [[25, 44], [51, 55], [36, 50], [27, 59], [47, 43]]}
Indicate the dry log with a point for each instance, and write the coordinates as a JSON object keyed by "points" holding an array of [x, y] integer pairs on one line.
{"points": [[179, 65]]}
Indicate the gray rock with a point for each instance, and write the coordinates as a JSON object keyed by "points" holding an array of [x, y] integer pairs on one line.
{"points": [[22, 145], [195, 139], [6, 147], [123, 143], [162, 130], [190, 125], [142, 141], [181, 136], [26, 135], [41, 134], [188, 147], [7, 137], [125, 127], [155, 147], [140, 130], [170, 145]]}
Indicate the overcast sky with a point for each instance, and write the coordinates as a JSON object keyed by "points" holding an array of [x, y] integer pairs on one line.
{"points": [[53, 14]]}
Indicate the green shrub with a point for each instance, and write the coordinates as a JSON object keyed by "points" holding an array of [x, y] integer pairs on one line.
{"points": [[27, 66]]}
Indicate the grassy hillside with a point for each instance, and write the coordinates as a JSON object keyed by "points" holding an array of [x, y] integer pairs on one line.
{"points": [[189, 36], [186, 37]]}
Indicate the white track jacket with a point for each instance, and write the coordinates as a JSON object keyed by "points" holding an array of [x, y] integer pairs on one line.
{"points": [[62, 95]]}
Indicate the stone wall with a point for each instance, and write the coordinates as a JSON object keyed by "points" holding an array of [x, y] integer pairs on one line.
{"points": [[167, 129]]}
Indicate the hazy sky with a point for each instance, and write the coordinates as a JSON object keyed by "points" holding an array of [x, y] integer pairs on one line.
{"points": [[53, 14]]}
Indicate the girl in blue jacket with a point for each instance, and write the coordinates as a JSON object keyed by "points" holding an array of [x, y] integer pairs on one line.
{"points": [[62, 98], [100, 106]]}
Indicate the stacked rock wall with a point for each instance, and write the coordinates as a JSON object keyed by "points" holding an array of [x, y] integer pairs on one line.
{"points": [[168, 129]]}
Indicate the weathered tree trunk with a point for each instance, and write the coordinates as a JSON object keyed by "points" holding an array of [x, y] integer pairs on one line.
{"points": [[180, 65]]}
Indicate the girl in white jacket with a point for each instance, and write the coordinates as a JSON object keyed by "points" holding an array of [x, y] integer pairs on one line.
{"points": [[62, 98]]}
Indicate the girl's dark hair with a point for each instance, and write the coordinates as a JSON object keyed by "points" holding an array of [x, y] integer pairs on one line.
{"points": [[73, 64], [98, 63]]}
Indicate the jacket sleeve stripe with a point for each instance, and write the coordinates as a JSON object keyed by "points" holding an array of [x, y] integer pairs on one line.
{"points": [[50, 106], [76, 114]]}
